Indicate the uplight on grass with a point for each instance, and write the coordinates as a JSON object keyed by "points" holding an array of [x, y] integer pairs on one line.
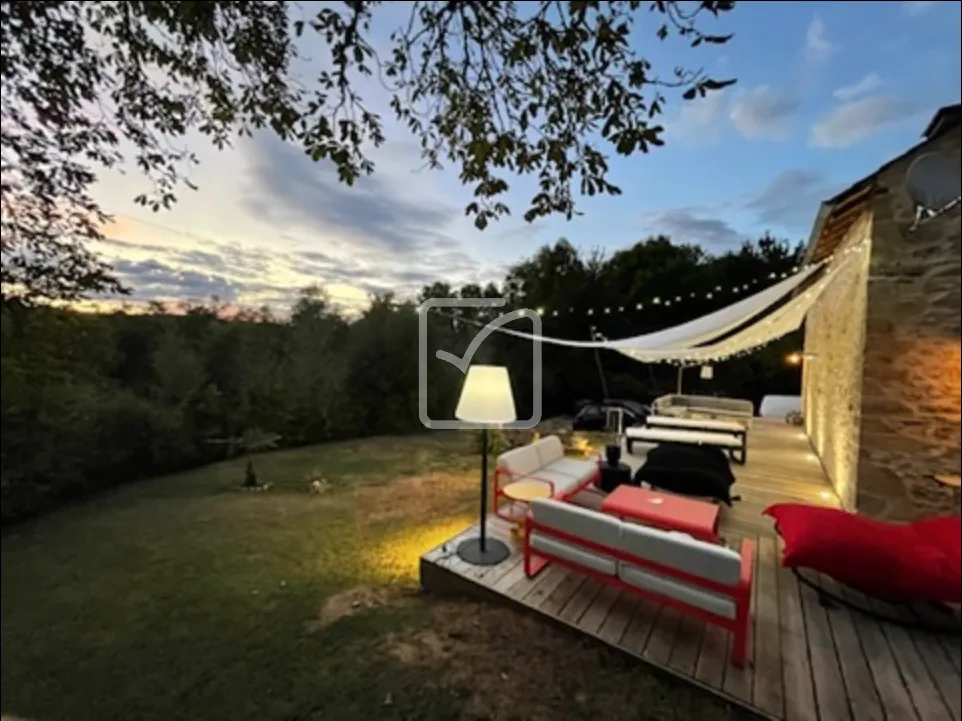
{"points": [[396, 558]]}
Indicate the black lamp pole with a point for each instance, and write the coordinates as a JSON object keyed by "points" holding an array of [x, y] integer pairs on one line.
{"points": [[482, 540], [478, 551]]}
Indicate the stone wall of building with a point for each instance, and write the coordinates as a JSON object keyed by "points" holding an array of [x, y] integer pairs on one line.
{"points": [[911, 394], [832, 374]]}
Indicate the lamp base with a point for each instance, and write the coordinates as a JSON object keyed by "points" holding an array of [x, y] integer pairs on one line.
{"points": [[494, 552]]}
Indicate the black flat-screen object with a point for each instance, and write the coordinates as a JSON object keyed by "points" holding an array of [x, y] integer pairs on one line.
{"points": [[688, 470]]}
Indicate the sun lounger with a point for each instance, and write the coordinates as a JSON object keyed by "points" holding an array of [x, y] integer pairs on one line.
{"points": [[734, 443], [696, 424], [733, 409]]}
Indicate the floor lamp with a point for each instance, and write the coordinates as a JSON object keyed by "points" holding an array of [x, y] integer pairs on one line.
{"points": [[486, 402]]}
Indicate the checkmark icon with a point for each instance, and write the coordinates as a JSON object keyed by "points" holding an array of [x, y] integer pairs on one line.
{"points": [[462, 362]]}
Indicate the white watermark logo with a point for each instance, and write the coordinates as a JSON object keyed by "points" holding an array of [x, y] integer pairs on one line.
{"points": [[462, 362]]}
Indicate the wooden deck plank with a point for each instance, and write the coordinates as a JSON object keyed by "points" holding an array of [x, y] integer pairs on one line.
{"points": [[925, 695], [893, 694], [579, 603], [942, 671], [830, 695], [687, 646], [509, 579], [532, 591], [614, 626], [662, 637], [796, 661], [639, 628], [559, 597], [597, 613], [939, 618], [713, 656], [769, 691], [859, 683], [496, 573]]}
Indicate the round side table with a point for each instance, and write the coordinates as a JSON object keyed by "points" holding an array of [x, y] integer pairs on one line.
{"points": [[525, 492]]}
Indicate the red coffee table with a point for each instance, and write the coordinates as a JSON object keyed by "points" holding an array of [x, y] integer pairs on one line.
{"points": [[665, 511]]}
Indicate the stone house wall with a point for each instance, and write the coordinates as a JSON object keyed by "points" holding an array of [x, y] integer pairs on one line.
{"points": [[911, 395], [832, 371]]}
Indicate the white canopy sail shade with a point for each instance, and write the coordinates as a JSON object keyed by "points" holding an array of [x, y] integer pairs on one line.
{"points": [[694, 332], [781, 322], [685, 343]]}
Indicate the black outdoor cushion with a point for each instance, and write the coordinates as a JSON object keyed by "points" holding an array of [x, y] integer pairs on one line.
{"points": [[688, 470]]}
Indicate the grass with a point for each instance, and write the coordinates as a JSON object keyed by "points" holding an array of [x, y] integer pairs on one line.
{"points": [[183, 598]]}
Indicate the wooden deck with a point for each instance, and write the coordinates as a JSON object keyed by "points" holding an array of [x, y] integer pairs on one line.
{"points": [[811, 662]]}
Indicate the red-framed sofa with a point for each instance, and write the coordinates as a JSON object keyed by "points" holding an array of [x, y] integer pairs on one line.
{"points": [[708, 581], [543, 461]]}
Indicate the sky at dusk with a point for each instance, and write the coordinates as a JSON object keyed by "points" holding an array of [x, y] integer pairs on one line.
{"points": [[826, 92]]}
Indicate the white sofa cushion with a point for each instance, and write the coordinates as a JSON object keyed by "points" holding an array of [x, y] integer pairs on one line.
{"points": [[678, 590], [549, 449], [574, 467], [682, 552], [520, 462], [577, 521], [670, 435], [576, 554], [562, 483]]}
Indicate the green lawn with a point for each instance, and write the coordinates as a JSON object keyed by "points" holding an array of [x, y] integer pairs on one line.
{"points": [[184, 598]]}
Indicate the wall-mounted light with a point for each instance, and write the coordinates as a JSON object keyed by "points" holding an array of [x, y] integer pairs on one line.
{"points": [[796, 359]]}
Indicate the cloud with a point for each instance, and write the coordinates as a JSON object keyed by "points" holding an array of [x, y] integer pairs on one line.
{"points": [[154, 280], [688, 225], [852, 122], [699, 121], [866, 85], [375, 230], [791, 199], [786, 204], [817, 45], [290, 189], [915, 8], [762, 113]]}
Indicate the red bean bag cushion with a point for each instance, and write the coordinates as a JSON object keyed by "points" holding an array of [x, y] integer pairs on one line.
{"points": [[894, 561]]}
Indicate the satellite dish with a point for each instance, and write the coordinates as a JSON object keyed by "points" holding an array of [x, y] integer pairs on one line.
{"points": [[934, 183]]}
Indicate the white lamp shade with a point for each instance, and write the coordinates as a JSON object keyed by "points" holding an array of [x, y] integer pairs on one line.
{"points": [[486, 396], [707, 373]]}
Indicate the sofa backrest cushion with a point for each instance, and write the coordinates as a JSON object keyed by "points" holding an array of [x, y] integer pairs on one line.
{"points": [[520, 461], [577, 521], [550, 449], [681, 552]]}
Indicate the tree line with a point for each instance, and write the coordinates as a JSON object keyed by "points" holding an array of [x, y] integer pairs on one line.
{"points": [[91, 400]]}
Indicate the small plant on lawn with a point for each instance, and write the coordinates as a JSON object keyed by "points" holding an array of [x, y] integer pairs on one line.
{"points": [[316, 483], [248, 443]]}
